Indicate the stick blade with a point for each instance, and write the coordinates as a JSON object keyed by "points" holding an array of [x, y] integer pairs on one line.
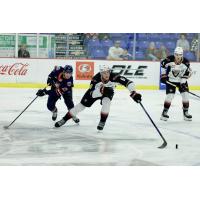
{"points": [[6, 127], [163, 145]]}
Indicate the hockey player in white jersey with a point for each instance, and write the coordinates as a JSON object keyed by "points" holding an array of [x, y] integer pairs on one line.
{"points": [[175, 69], [101, 88]]}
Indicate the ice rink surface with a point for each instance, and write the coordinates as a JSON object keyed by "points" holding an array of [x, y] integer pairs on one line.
{"points": [[128, 138]]}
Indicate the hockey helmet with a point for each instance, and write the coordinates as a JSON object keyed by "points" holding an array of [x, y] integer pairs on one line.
{"points": [[103, 68], [178, 51], [68, 69]]}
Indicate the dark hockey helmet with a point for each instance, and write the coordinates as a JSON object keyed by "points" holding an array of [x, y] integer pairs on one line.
{"points": [[68, 69]]}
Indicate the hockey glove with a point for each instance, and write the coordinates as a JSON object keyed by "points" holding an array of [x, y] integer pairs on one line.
{"points": [[136, 97], [164, 79], [183, 87], [41, 93], [108, 92], [50, 81]]}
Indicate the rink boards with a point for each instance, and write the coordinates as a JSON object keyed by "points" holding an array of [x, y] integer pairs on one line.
{"points": [[33, 73]]}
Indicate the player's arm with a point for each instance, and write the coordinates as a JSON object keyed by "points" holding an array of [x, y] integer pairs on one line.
{"points": [[95, 87], [93, 82], [188, 71], [185, 76], [164, 75], [164, 69], [52, 77], [72, 82], [130, 86]]}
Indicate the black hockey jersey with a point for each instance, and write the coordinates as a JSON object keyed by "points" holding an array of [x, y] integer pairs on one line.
{"points": [[96, 83]]}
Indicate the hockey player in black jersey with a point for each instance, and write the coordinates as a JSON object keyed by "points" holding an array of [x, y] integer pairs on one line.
{"points": [[175, 69], [61, 82], [101, 88]]}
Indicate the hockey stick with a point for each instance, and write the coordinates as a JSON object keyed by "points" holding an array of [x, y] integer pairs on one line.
{"points": [[164, 141], [176, 86], [6, 127]]}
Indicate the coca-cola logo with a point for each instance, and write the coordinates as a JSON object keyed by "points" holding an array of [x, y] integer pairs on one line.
{"points": [[16, 69]]}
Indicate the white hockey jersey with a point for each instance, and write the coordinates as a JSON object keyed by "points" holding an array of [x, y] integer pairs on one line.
{"points": [[177, 73]]}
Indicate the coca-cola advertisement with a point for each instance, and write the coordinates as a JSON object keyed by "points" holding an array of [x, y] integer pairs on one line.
{"points": [[15, 69]]}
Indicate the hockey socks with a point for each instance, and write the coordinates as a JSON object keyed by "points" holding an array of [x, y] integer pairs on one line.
{"points": [[186, 115], [164, 115], [102, 122], [55, 113]]}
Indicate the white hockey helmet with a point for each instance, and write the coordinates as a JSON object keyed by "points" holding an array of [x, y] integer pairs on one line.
{"points": [[104, 68], [178, 50]]}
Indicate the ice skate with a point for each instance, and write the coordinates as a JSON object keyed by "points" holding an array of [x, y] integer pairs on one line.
{"points": [[187, 116], [76, 120], [164, 116], [60, 123], [101, 126]]}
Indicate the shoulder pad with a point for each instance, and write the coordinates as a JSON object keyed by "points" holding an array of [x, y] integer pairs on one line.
{"points": [[186, 62], [56, 68]]}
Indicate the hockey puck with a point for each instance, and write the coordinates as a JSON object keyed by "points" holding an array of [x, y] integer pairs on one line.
{"points": [[176, 146]]}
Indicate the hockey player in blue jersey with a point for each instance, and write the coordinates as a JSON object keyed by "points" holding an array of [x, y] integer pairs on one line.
{"points": [[61, 82]]}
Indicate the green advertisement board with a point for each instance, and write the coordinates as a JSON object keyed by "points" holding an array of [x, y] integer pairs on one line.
{"points": [[7, 44]]}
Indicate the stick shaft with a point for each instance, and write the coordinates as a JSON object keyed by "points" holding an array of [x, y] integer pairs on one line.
{"points": [[153, 122], [176, 86], [24, 110]]}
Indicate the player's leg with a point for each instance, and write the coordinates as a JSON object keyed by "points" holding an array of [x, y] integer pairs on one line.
{"points": [[70, 114], [185, 101], [51, 104], [86, 101], [170, 92], [70, 104], [104, 112]]}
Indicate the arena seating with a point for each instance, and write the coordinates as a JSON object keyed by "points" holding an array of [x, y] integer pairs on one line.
{"points": [[99, 49]]}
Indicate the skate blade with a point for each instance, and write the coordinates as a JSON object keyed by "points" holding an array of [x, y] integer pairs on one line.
{"points": [[54, 119], [163, 118], [187, 119]]}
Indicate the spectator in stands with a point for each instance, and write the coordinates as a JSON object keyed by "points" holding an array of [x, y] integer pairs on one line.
{"points": [[126, 55], [183, 42], [162, 52], [86, 39], [90, 36], [95, 36], [23, 52], [103, 36], [151, 52], [115, 52], [194, 45]]}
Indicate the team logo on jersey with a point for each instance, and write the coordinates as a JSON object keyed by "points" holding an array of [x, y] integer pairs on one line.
{"points": [[84, 70], [175, 72], [69, 84]]}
